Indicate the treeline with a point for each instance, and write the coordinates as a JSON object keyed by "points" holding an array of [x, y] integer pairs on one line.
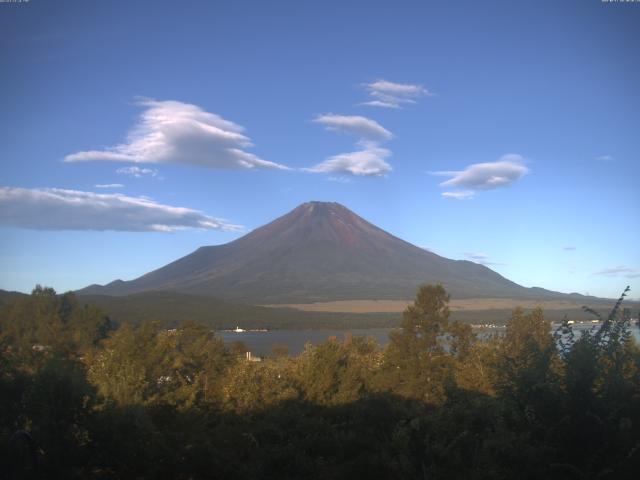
{"points": [[84, 399], [171, 309]]}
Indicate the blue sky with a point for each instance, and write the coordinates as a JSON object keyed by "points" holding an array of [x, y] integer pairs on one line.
{"points": [[135, 132]]}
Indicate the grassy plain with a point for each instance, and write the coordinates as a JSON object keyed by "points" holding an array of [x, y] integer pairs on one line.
{"points": [[455, 305]]}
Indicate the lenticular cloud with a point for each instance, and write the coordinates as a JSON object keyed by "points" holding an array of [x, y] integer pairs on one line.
{"points": [[388, 94], [60, 209], [181, 133], [354, 125], [484, 176], [369, 161]]}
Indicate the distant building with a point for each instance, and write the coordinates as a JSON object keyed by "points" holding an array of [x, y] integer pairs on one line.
{"points": [[40, 348], [251, 358]]}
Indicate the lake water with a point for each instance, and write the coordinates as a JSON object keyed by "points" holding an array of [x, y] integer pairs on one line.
{"points": [[261, 343]]}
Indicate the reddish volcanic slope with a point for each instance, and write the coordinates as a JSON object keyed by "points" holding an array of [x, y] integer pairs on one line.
{"points": [[319, 251]]}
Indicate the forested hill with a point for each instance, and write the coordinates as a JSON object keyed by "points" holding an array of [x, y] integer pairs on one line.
{"points": [[170, 309], [7, 297]]}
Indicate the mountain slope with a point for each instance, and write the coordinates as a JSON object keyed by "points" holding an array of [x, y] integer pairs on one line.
{"points": [[318, 251]]}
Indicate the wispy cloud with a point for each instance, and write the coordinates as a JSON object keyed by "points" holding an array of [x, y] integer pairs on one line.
{"points": [[340, 179], [369, 161], [481, 258], [109, 185], [620, 271], [569, 247], [388, 94], [60, 209], [354, 125], [463, 195], [137, 172], [485, 176], [181, 133], [370, 158], [604, 158]]}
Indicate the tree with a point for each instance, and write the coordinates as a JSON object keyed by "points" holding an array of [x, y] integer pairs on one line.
{"points": [[251, 386], [337, 372], [602, 382], [56, 406], [416, 362], [118, 370], [189, 364], [47, 322], [528, 368]]}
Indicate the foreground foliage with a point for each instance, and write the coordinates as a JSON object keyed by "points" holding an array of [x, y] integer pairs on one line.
{"points": [[82, 399]]}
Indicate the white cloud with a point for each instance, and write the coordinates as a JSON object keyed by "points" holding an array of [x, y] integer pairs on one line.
{"points": [[59, 209], [109, 185], [477, 257], [481, 258], [604, 158], [354, 125], [368, 161], [463, 195], [486, 176], [181, 133], [393, 95], [620, 271], [339, 179], [137, 172]]}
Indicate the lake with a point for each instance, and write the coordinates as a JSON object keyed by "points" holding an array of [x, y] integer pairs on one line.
{"points": [[261, 343]]}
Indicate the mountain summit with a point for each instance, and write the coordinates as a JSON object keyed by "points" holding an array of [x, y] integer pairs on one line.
{"points": [[318, 252]]}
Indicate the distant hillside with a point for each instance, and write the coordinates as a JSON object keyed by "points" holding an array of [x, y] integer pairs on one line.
{"points": [[7, 297], [318, 252], [171, 309]]}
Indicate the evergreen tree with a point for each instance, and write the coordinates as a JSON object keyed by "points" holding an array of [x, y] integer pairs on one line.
{"points": [[416, 363]]}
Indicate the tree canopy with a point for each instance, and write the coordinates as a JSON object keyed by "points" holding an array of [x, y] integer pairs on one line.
{"points": [[84, 398]]}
